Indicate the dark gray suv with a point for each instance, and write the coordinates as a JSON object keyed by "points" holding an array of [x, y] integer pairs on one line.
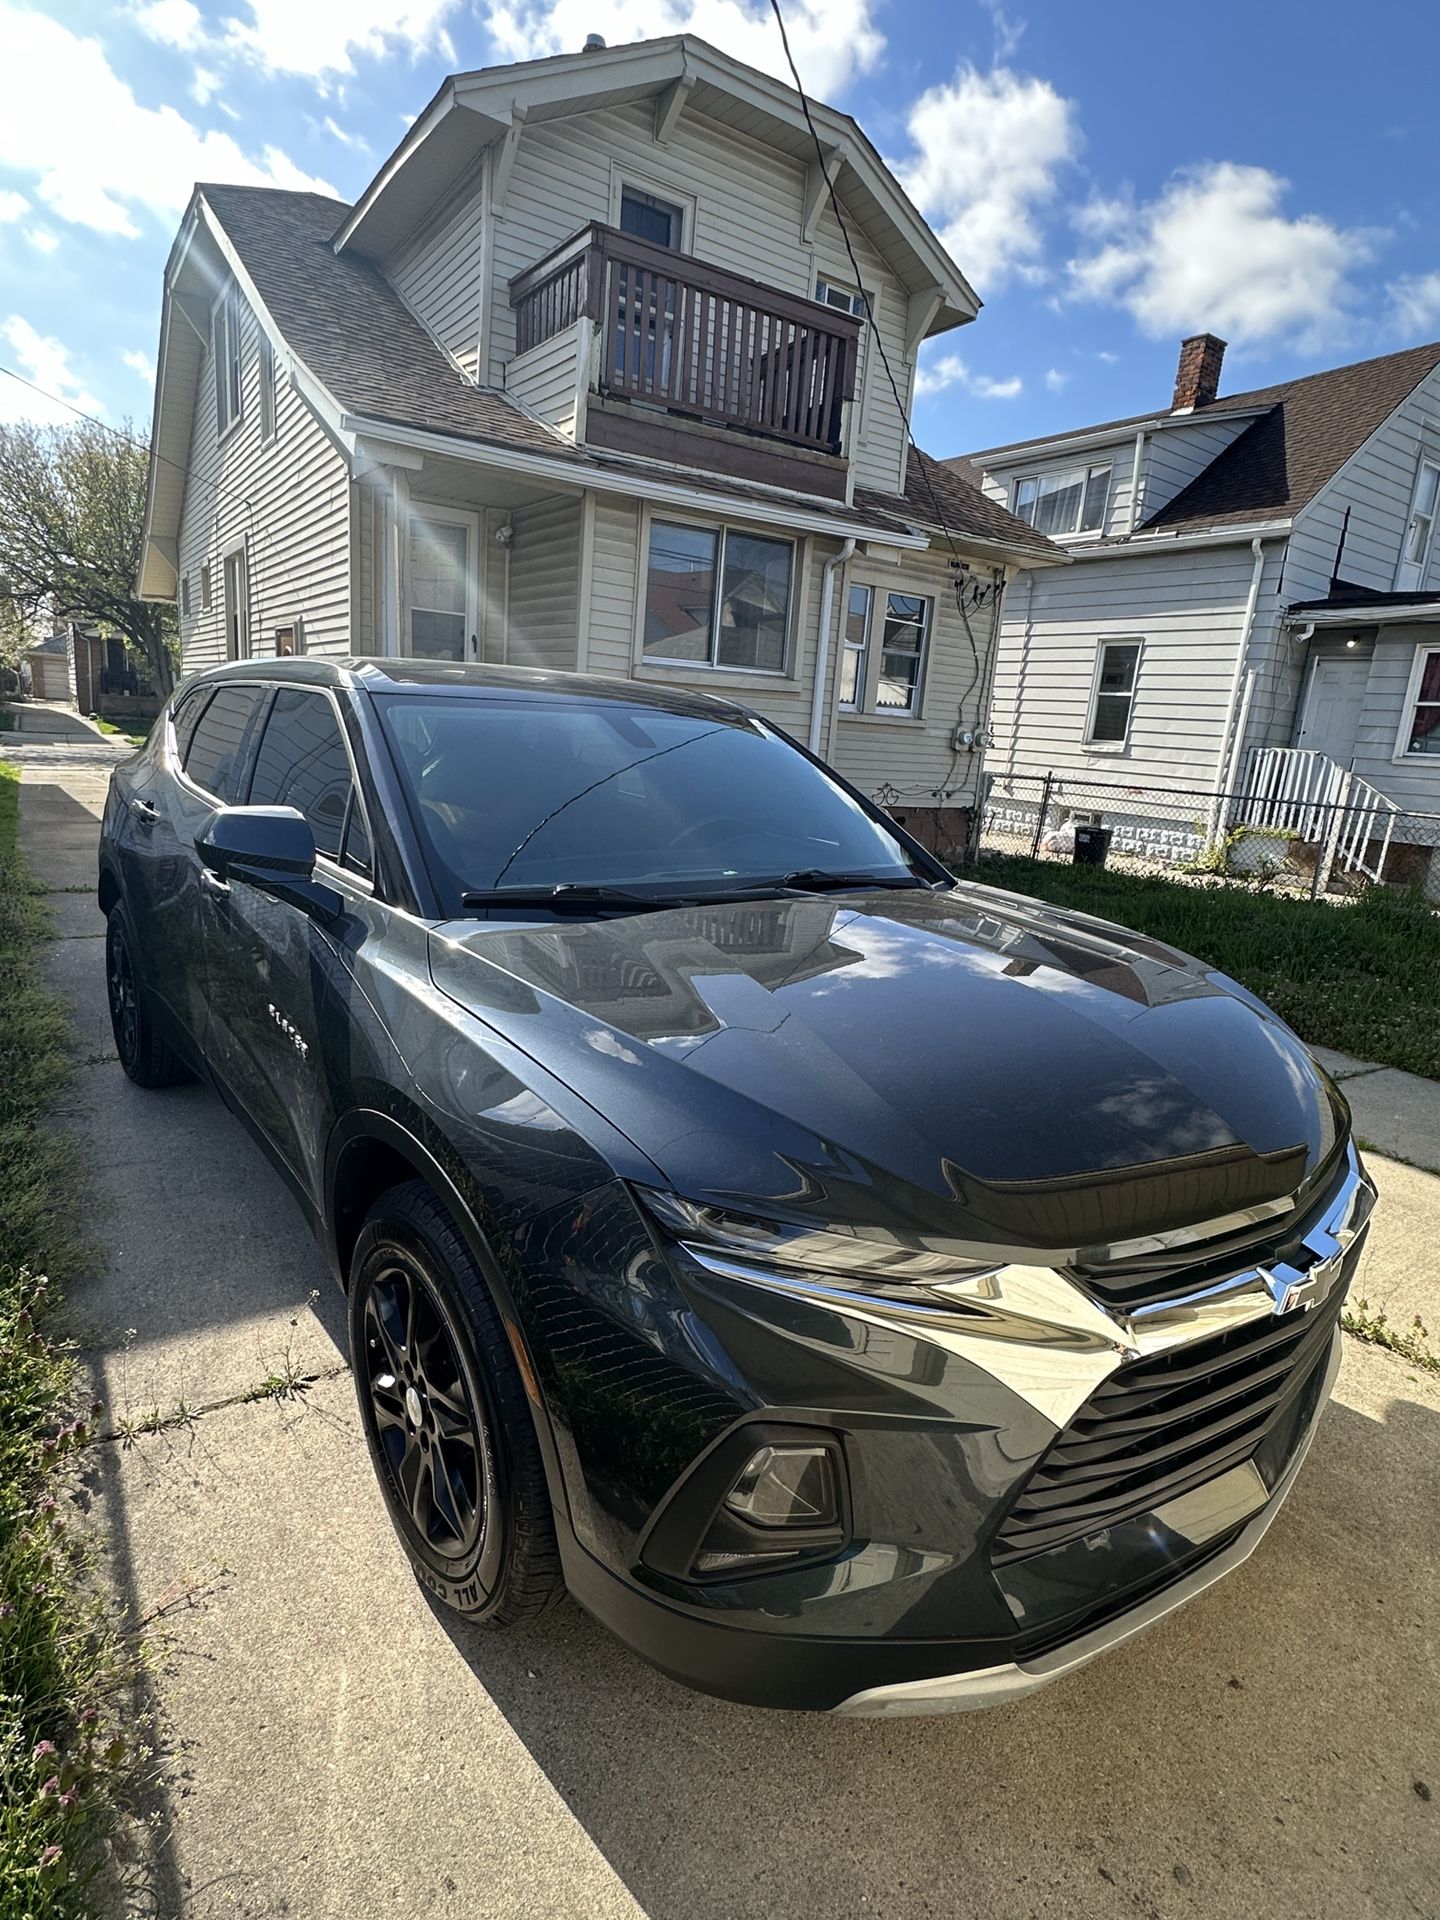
{"points": [[860, 1289]]}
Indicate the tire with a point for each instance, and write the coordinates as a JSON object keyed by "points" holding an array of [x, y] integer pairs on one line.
{"points": [[449, 1428], [147, 1057]]}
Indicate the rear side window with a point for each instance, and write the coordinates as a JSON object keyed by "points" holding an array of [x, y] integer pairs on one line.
{"points": [[186, 718], [302, 763], [215, 757]]}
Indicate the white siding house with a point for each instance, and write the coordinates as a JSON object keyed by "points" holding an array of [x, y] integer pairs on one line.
{"points": [[584, 381], [1252, 609]]}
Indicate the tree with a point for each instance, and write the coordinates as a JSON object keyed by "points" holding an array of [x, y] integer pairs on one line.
{"points": [[72, 514]]}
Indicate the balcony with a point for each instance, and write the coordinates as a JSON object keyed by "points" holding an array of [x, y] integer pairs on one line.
{"points": [[645, 351]]}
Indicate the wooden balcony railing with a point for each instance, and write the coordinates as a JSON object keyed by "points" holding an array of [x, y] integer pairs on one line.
{"points": [[679, 335]]}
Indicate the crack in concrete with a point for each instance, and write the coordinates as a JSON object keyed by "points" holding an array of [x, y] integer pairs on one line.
{"points": [[294, 1388]]}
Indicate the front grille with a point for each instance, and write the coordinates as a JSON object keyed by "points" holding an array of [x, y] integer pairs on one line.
{"points": [[1146, 1279], [1157, 1428]]}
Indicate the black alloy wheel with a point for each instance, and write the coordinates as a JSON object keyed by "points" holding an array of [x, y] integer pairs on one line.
{"points": [[147, 1059], [450, 1430]]}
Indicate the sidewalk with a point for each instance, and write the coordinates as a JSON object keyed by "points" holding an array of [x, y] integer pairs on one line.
{"points": [[337, 1749]]}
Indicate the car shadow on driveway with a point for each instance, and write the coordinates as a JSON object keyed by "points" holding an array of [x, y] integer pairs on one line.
{"points": [[1269, 1749]]}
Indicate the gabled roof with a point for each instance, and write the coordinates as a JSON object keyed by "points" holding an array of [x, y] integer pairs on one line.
{"points": [[472, 110], [1302, 433], [344, 323]]}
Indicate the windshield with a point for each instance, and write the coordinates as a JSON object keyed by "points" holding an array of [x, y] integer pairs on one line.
{"points": [[529, 794]]}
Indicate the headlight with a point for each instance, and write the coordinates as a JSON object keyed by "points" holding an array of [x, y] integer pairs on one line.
{"points": [[892, 1267]]}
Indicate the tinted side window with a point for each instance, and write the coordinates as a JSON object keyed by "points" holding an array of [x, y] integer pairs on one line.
{"points": [[215, 757], [186, 718], [302, 763]]}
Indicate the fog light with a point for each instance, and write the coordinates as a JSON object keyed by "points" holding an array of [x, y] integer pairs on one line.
{"points": [[787, 1487]]}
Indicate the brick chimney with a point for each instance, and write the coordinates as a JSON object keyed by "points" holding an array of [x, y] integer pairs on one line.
{"points": [[1197, 378]]}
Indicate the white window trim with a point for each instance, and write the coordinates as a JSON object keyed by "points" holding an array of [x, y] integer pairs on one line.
{"points": [[1427, 457], [292, 620], [237, 549], [867, 711], [849, 708], [663, 668], [1090, 743], [1087, 467], [1423, 650], [469, 518], [228, 304], [268, 398], [622, 176]]}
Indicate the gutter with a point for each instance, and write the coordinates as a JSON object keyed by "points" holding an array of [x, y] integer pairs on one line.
{"points": [[1422, 613], [1183, 542]]}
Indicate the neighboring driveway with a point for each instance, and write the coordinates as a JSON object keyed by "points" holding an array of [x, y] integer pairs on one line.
{"points": [[339, 1750]]}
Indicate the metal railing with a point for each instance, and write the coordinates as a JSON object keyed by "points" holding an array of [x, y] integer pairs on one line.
{"points": [[679, 334]]}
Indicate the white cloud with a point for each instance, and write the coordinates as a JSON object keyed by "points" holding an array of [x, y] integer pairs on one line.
{"points": [[140, 363], [989, 151], [205, 83], [1415, 304], [1216, 251], [42, 239], [174, 23], [106, 155], [832, 40], [12, 206], [1110, 359], [1055, 380], [934, 376], [320, 37], [337, 132], [46, 361]]}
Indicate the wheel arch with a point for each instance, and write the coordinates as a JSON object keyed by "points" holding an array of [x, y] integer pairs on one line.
{"points": [[370, 1151]]}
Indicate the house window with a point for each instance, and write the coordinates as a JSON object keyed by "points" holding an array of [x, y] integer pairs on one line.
{"points": [[267, 388], [207, 590], [185, 595], [855, 647], [650, 218], [290, 639], [228, 392], [1072, 501], [237, 606], [1420, 732], [717, 597], [902, 653], [845, 298], [1113, 697], [1419, 528], [442, 613]]}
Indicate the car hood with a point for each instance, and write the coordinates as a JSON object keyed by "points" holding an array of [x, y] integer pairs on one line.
{"points": [[968, 1063]]}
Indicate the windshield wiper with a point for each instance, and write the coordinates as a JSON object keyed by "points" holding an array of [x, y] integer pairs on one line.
{"points": [[822, 880], [566, 893]]}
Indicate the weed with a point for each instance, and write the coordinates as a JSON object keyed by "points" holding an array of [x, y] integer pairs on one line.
{"points": [[1412, 1343]]}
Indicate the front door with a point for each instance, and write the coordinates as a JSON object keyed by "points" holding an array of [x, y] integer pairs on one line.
{"points": [[1332, 706], [444, 589]]}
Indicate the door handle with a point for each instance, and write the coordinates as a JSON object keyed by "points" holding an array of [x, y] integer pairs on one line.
{"points": [[145, 811], [212, 884]]}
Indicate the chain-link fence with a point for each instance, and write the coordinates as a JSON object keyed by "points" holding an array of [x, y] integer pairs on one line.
{"points": [[1290, 840]]}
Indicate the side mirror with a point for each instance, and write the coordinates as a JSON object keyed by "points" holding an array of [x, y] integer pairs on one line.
{"points": [[272, 848]]}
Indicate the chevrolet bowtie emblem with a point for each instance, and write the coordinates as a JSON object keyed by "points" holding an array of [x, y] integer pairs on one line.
{"points": [[1294, 1291]]}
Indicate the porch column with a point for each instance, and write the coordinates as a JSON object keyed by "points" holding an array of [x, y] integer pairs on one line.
{"points": [[385, 473]]}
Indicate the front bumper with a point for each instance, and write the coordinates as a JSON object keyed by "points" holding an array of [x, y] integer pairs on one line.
{"points": [[998, 1686]]}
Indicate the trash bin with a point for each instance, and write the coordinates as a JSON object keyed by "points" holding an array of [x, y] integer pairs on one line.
{"points": [[1092, 844]]}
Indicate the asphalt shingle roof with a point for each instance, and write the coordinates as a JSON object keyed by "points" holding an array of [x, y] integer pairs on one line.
{"points": [[351, 328], [1307, 429]]}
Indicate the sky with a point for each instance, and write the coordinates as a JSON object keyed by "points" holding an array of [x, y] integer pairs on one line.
{"points": [[1109, 177]]}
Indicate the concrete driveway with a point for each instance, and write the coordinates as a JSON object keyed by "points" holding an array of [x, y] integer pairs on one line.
{"points": [[337, 1749]]}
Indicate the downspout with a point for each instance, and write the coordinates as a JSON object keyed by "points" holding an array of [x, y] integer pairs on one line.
{"points": [[822, 650], [1238, 682]]}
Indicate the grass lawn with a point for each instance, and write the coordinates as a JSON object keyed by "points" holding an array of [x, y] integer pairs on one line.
{"points": [[1364, 978], [65, 1672], [109, 726]]}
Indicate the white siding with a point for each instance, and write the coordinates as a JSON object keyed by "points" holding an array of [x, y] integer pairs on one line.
{"points": [[1375, 485], [289, 501], [1413, 781], [542, 627], [544, 379], [438, 275], [1187, 608], [1175, 456], [749, 202]]}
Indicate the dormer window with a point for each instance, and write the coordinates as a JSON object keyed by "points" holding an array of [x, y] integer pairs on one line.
{"points": [[650, 218], [1070, 500]]}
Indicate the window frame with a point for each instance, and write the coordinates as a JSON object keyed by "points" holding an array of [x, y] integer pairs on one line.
{"points": [[1088, 470], [225, 335], [1402, 755], [862, 311], [623, 178], [470, 520], [914, 710], [664, 663], [186, 602], [848, 646], [207, 586], [335, 864], [238, 556], [1427, 458], [1122, 745], [266, 372]]}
